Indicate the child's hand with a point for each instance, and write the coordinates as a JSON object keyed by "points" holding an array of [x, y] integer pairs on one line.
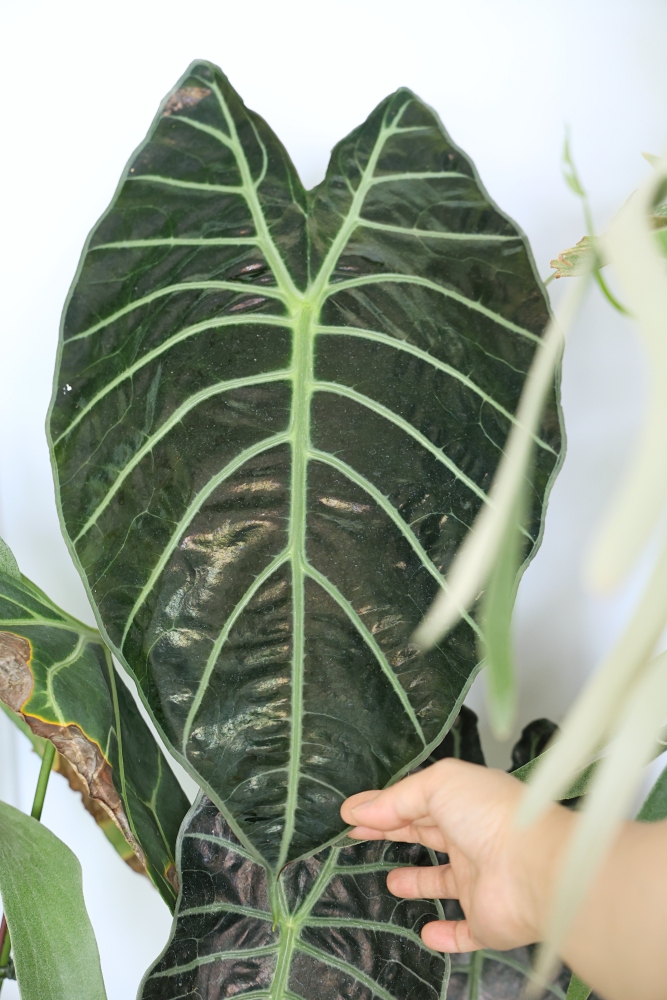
{"points": [[501, 876]]}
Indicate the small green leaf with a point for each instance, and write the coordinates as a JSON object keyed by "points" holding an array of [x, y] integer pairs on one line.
{"points": [[8, 563], [533, 741], [577, 990], [54, 947], [58, 674], [655, 804]]}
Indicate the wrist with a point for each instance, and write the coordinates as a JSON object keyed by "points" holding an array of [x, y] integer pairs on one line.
{"points": [[543, 845]]}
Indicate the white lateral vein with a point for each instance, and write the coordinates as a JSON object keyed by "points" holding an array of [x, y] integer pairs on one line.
{"points": [[390, 511], [175, 418], [405, 345], [192, 509], [239, 607], [414, 279], [179, 241], [437, 234], [266, 291], [184, 334], [188, 185], [404, 425], [372, 644]]}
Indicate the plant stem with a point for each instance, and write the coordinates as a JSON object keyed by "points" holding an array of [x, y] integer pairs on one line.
{"points": [[43, 780], [5, 946], [36, 813], [475, 974]]}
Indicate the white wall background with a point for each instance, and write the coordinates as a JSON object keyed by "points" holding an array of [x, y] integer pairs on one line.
{"points": [[81, 83]]}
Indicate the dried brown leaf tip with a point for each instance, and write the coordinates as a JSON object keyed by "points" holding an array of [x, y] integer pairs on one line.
{"points": [[16, 679], [578, 259], [93, 769], [171, 875], [83, 754], [99, 813], [186, 97]]}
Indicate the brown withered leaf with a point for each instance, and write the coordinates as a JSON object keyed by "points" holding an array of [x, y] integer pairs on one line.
{"points": [[58, 681]]}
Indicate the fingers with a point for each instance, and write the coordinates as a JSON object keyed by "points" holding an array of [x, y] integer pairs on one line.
{"points": [[449, 935], [396, 807], [406, 835], [423, 883]]}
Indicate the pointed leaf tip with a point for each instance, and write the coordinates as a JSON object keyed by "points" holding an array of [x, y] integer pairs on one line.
{"points": [[8, 563]]}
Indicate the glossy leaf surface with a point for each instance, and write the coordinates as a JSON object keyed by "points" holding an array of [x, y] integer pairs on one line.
{"points": [[499, 975], [53, 944], [58, 674], [329, 929], [276, 415]]}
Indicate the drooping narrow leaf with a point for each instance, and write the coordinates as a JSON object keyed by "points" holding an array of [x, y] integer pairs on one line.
{"points": [[58, 674], [276, 415], [53, 944], [496, 610], [631, 246], [328, 929], [598, 257]]}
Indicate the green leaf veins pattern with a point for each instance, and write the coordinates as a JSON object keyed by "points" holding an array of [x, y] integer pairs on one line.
{"points": [[273, 299]]}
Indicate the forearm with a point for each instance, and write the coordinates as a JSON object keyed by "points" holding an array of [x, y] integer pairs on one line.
{"points": [[618, 941]]}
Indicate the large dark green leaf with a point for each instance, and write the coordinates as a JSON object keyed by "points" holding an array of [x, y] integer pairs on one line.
{"points": [[328, 929], [54, 947], [58, 674], [276, 415]]}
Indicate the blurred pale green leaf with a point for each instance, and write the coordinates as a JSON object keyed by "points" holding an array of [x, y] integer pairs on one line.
{"points": [[54, 947], [496, 618]]}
